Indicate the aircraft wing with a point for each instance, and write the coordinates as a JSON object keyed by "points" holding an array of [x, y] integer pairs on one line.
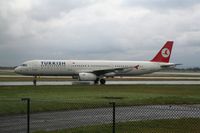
{"points": [[115, 70]]}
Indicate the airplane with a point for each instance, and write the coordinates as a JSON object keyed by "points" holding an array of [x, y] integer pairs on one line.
{"points": [[97, 70]]}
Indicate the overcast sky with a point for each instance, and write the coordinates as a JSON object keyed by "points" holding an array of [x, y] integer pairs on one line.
{"points": [[98, 29]]}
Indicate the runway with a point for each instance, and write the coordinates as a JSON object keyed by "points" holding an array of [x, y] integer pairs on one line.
{"points": [[77, 118], [169, 78], [28, 83]]}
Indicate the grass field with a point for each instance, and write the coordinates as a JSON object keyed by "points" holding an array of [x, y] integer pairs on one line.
{"points": [[7, 72], [190, 125], [51, 98]]}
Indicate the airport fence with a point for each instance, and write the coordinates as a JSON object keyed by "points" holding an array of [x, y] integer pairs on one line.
{"points": [[38, 116]]}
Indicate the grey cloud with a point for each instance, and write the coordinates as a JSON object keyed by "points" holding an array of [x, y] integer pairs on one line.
{"points": [[48, 9], [106, 29], [161, 4], [19, 22]]}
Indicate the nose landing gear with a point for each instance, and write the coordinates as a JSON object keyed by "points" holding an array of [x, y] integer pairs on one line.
{"points": [[35, 81]]}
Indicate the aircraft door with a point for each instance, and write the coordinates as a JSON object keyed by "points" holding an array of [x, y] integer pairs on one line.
{"points": [[34, 69], [69, 67]]}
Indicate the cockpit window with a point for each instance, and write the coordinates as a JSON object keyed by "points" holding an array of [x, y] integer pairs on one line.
{"points": [[25, 65]]}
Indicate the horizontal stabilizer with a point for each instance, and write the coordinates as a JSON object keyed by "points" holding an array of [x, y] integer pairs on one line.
{"points": [[169, 65]]}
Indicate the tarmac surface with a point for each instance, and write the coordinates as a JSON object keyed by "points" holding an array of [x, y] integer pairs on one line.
{"points": [[170, 78], [174, 82], [76, 118]]}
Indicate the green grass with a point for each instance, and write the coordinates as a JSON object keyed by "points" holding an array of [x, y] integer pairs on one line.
{"points": [[190, 125], [7, 72], [51, 98]]}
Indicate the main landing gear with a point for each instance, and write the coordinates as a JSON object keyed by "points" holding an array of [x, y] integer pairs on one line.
{"points": [[102, 81], [96, 81]]}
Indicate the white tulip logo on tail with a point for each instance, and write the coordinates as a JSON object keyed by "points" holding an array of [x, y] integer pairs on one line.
{"points": [[165, 52]]}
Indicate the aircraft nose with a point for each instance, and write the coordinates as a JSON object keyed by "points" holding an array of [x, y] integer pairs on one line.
{"points": [[17, 70]]}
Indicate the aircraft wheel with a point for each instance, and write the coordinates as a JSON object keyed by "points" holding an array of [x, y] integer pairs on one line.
{"points": [[35, 80], [102, 81], [96, 81]]}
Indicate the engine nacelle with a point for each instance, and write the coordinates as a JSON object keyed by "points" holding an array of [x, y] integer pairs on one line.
{"points": [[87, 76]]}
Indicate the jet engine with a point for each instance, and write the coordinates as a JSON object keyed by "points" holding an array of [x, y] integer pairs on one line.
{"points": [[87, 77]]}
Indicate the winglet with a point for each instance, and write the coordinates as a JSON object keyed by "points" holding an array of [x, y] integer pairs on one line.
{"points": [[164, 54]]}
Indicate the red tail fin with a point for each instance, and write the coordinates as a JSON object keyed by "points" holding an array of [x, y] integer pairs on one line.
{"points": [[164, 54]]}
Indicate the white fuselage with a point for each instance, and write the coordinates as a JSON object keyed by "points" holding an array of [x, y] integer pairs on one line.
{"points": [[74, 67], [97, 70]]}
